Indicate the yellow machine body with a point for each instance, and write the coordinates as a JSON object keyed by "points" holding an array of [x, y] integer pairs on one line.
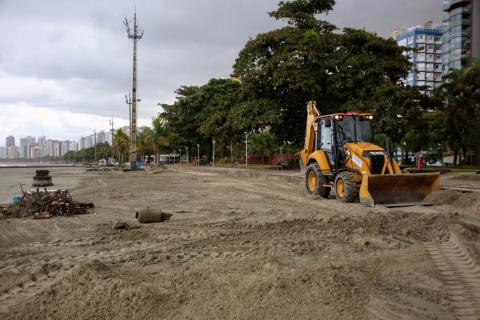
{"points": [[385, 184]]}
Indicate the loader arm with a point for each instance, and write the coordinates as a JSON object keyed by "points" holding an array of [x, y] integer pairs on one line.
{"points": [[312, 116]]}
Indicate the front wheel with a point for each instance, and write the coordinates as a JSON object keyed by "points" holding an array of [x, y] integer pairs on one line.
{"points": [[345, 187], [315, 181]]}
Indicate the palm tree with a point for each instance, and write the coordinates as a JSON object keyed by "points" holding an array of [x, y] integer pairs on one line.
{"points": [[157, 136], [144, 142], [121, 144]]}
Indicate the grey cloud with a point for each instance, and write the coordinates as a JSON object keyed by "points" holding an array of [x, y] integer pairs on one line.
{"points": [[82, 47]]}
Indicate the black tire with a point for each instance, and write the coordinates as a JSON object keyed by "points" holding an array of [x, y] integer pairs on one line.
{"points": [[349, 192], [317, 187]]}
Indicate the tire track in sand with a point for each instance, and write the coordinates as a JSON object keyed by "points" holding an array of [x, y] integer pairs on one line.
{"points": [[461, 274]]}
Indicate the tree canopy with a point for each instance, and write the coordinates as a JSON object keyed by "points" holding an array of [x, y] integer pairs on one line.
{"points": [[311, 61], [278, 72], [460, 94]]}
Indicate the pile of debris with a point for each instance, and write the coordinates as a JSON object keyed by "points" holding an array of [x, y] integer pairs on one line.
{"points": [[44, 204]]}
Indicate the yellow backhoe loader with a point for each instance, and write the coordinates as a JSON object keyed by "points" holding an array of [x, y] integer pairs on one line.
{"points": [[339, 154]]}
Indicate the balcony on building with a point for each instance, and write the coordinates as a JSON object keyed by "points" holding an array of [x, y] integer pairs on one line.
{"points": [[449, 5], [420, 38], [420, 76]]}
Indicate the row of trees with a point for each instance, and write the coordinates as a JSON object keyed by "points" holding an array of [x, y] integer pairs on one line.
{"points": [[277, 72], [150, 141]]}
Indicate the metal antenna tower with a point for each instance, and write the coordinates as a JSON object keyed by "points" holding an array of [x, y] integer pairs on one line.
{"points": [[135, 34]]}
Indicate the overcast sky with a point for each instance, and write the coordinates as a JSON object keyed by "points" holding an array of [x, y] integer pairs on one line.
{"points": [[65, 66]]}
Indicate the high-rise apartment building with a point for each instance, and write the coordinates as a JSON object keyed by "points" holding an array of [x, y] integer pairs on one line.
{"points": [[9, 141], [10, 147], [101, 137], [56, 148], [34, 151], [428, 58], [42, 142], [86, 142], [457, 41], [49, 148], [25, 146], [462, 36], [73, 146], [13, 152], [64, 147], [476, 29]]}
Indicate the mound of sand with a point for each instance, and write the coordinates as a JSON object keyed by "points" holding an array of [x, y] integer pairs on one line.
{"points": [[241, 290], [463, 202], [93, 292]]}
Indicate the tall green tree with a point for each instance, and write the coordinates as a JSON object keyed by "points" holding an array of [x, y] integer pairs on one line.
{"points": [[144, 143], [181, 119], [460, 94], [157, 136], [262, 144], [121, 145], [200, 114], [309, 60]]}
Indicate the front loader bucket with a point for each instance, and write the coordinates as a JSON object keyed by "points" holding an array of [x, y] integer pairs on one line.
{"points": [[397, 189]]}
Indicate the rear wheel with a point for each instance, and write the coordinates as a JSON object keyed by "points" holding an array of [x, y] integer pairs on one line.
{"points": [[345, 187], [315, 181]]}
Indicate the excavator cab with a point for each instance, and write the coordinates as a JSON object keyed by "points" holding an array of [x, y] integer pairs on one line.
{"points": [[339, 154]]}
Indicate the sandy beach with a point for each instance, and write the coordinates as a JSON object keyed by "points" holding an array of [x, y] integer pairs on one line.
{"points": [[236, 247]]}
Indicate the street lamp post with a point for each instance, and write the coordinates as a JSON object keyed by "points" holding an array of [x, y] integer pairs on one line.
{"points": [[186, 154], [213, 142], [246, 150], [198, 154]]}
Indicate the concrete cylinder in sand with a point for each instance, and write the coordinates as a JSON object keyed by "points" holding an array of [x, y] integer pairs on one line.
{"points": [[149, 215]]}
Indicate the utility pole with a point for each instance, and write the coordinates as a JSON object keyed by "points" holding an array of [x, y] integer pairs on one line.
{"points": [[112, 131], [135, 34], [95, 143]]}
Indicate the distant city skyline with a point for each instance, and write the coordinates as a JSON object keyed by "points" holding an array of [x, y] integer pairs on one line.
{"points": [[31, 147], [121, 124]]}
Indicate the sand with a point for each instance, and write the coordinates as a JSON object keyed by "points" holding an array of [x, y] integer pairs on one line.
{"points": [[235, 248]]}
